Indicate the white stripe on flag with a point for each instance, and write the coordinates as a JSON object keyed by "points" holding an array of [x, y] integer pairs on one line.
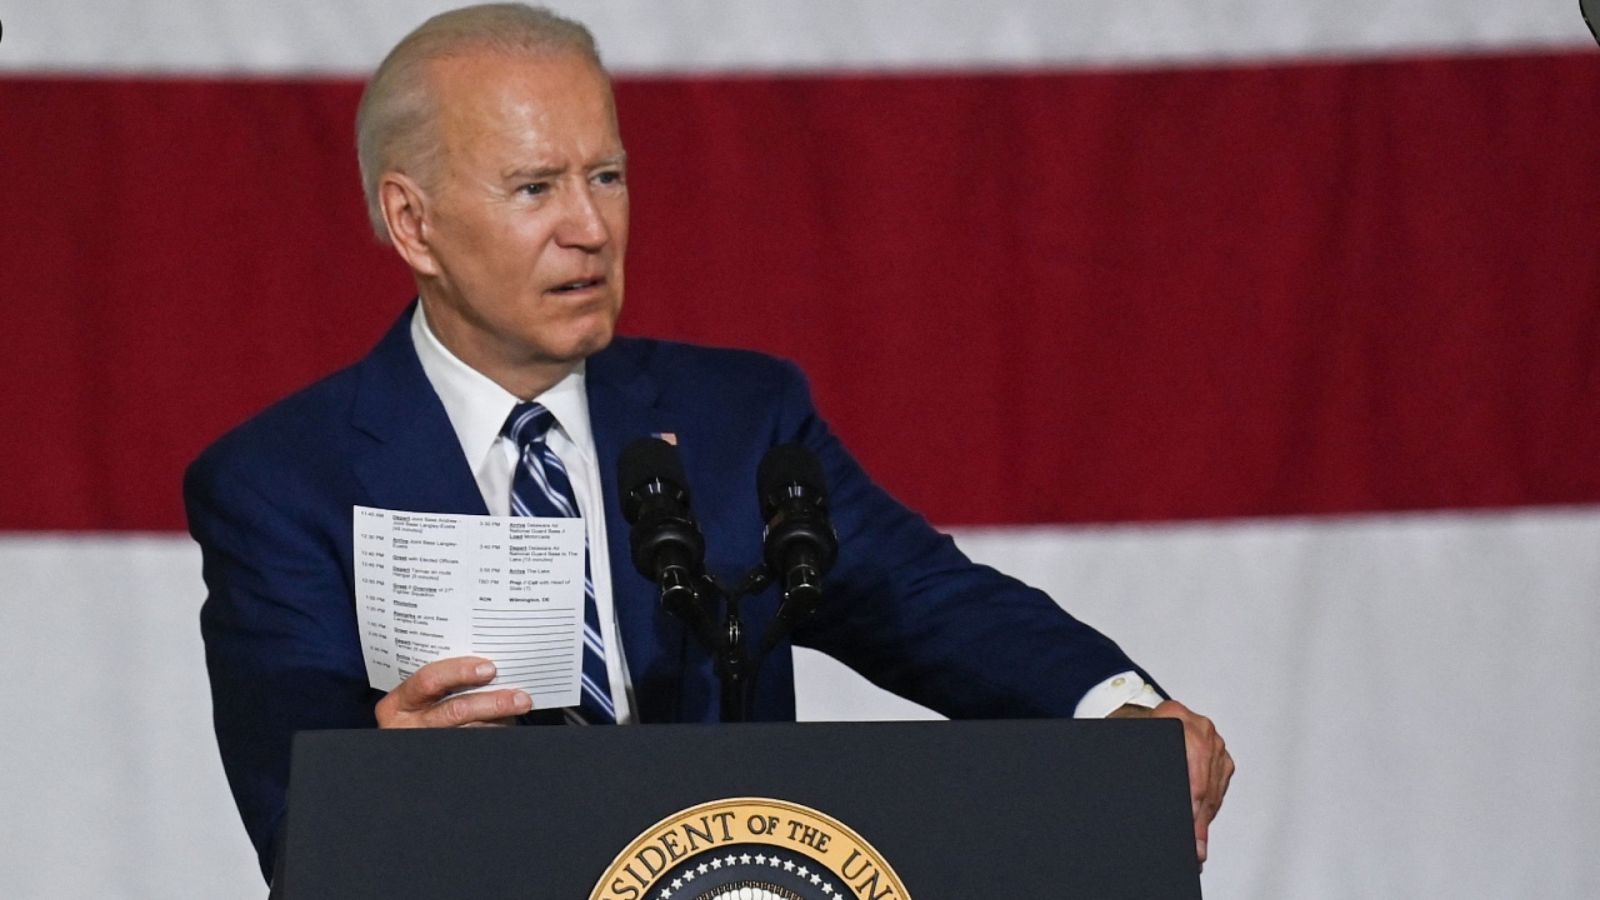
{"points": [[312, 36], [1395, 688]]}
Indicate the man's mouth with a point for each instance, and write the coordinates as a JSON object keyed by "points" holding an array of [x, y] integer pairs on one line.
{"points": [[581, 284]]}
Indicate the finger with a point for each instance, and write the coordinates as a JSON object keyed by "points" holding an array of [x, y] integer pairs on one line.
{"points": [[467, 709], [1214, 790], [1221, 772], [1220, 762], [1225, 770], [1200, 774], [440, 678], [1199, 751], [1209, 801], [1202, 750]]}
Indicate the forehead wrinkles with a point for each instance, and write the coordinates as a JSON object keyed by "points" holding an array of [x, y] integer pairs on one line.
{"points": [[490, 105]]}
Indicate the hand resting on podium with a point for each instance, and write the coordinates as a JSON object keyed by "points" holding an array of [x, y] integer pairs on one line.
{"points": [[1210, 764]]}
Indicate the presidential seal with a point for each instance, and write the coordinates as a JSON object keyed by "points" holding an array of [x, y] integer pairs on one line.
{"points": [[749, 848]]}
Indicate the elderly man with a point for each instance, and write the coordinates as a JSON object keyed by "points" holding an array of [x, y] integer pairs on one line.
{"points": [[492, 163]]}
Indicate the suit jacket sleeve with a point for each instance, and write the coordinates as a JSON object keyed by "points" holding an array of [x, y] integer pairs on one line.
{"points": [[281, 647], [912, 613]]}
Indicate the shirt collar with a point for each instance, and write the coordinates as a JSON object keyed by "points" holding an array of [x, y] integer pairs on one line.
{"points": [[478, 407]]}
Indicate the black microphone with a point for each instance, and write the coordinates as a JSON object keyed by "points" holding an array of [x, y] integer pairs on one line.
{"points": [[800, 542], [667, 545]]}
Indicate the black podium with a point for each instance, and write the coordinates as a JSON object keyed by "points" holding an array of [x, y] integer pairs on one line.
{"points": [[925, 810]]}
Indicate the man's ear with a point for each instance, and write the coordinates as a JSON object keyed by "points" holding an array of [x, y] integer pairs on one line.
{"points": [[405, 212]]}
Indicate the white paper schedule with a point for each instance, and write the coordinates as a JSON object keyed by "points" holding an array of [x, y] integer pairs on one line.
{"points": [[510, 589]]}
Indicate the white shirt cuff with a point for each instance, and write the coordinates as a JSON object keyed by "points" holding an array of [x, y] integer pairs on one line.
{"points": [[1118, 690]]}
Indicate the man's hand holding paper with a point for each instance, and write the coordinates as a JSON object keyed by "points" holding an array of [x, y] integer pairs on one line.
{"points": [[439, 695]]}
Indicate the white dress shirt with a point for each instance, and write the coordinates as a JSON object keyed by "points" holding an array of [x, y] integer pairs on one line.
{"points": [[1118, 690], [478, 409]]}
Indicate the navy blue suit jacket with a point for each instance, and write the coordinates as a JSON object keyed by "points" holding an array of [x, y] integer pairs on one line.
{"points": [[270, 505]]}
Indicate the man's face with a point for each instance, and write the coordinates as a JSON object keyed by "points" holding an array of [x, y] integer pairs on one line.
{"points": [[526, 221]]}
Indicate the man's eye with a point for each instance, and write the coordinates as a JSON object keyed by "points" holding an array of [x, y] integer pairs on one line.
{"points": [[608, 177], [534, 189]]}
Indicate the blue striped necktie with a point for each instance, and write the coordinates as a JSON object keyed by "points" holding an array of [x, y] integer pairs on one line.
{"points": [[540, 487]]}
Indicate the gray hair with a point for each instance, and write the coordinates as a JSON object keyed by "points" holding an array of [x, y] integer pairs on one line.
{"points": [[394, 124]]}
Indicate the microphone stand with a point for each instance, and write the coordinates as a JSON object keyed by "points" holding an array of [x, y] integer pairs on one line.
{"points": [[736, 669]]}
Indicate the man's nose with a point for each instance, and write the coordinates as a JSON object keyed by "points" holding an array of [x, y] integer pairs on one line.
{"points": [[582, 223]]}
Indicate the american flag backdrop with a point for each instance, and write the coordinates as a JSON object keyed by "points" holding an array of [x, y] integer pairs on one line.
{"points": [[1264, 335]]}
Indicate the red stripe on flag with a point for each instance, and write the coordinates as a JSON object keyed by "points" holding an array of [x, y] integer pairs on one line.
{"points": [[1021, 298]]}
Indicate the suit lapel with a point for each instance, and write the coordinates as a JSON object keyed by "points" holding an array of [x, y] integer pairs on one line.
{"points": [[624, 405], [415, 461]]}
